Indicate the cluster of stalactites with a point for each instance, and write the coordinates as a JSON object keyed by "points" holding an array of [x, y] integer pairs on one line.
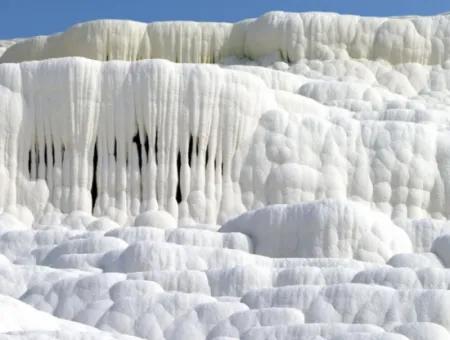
{"points": [[126, 136]]}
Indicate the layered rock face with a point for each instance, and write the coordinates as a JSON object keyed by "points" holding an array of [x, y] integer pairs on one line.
{"points": [[280, 177]]}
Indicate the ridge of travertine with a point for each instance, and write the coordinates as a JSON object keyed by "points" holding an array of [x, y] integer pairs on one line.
{"points": [[290, 37]]}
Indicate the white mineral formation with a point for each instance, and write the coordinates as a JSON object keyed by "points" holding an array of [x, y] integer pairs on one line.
{"points": [[285, 177], [322, 229]]}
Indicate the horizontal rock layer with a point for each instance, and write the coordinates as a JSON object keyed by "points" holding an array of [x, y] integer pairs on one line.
{"points": [[289, 36]]}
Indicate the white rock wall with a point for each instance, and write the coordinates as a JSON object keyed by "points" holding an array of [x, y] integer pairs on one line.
{"points": [[206, 143]]}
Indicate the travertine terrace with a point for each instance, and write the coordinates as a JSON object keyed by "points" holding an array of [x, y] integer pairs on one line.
{"points": [[284, 177]]}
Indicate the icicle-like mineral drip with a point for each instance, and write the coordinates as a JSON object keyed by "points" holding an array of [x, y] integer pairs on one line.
{"points": [[127, 137]]}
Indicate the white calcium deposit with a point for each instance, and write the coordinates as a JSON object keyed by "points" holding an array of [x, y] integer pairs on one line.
{"points": [[285, 177]]}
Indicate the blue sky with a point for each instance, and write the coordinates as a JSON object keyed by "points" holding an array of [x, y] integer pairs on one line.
{"points": [[21, 18]]}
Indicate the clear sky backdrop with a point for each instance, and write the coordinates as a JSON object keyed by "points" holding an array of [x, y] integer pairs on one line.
{"points": [[22, 18]]}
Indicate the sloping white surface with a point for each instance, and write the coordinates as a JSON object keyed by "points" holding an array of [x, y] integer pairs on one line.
{"points": [[20, 321], [5, 44]]}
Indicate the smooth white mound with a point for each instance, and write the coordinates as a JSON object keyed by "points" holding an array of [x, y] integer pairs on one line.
{"points": [[322, 229], [157, 219]]}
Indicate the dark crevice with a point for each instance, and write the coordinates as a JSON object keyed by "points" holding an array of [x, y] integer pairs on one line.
{"points": [[191, 144], [38, 160], [141, 141], [63, 151], [45, 156], [94, 177], [137, 141], [155, 147], [46, 159], [33, 165], [178, 195], [53, 154], [146, 145], [29, 163]]}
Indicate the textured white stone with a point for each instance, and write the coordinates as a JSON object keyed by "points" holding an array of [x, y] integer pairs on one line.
{"points": [[20, 321], [322, 229], [290, 36], [284, 177]]}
